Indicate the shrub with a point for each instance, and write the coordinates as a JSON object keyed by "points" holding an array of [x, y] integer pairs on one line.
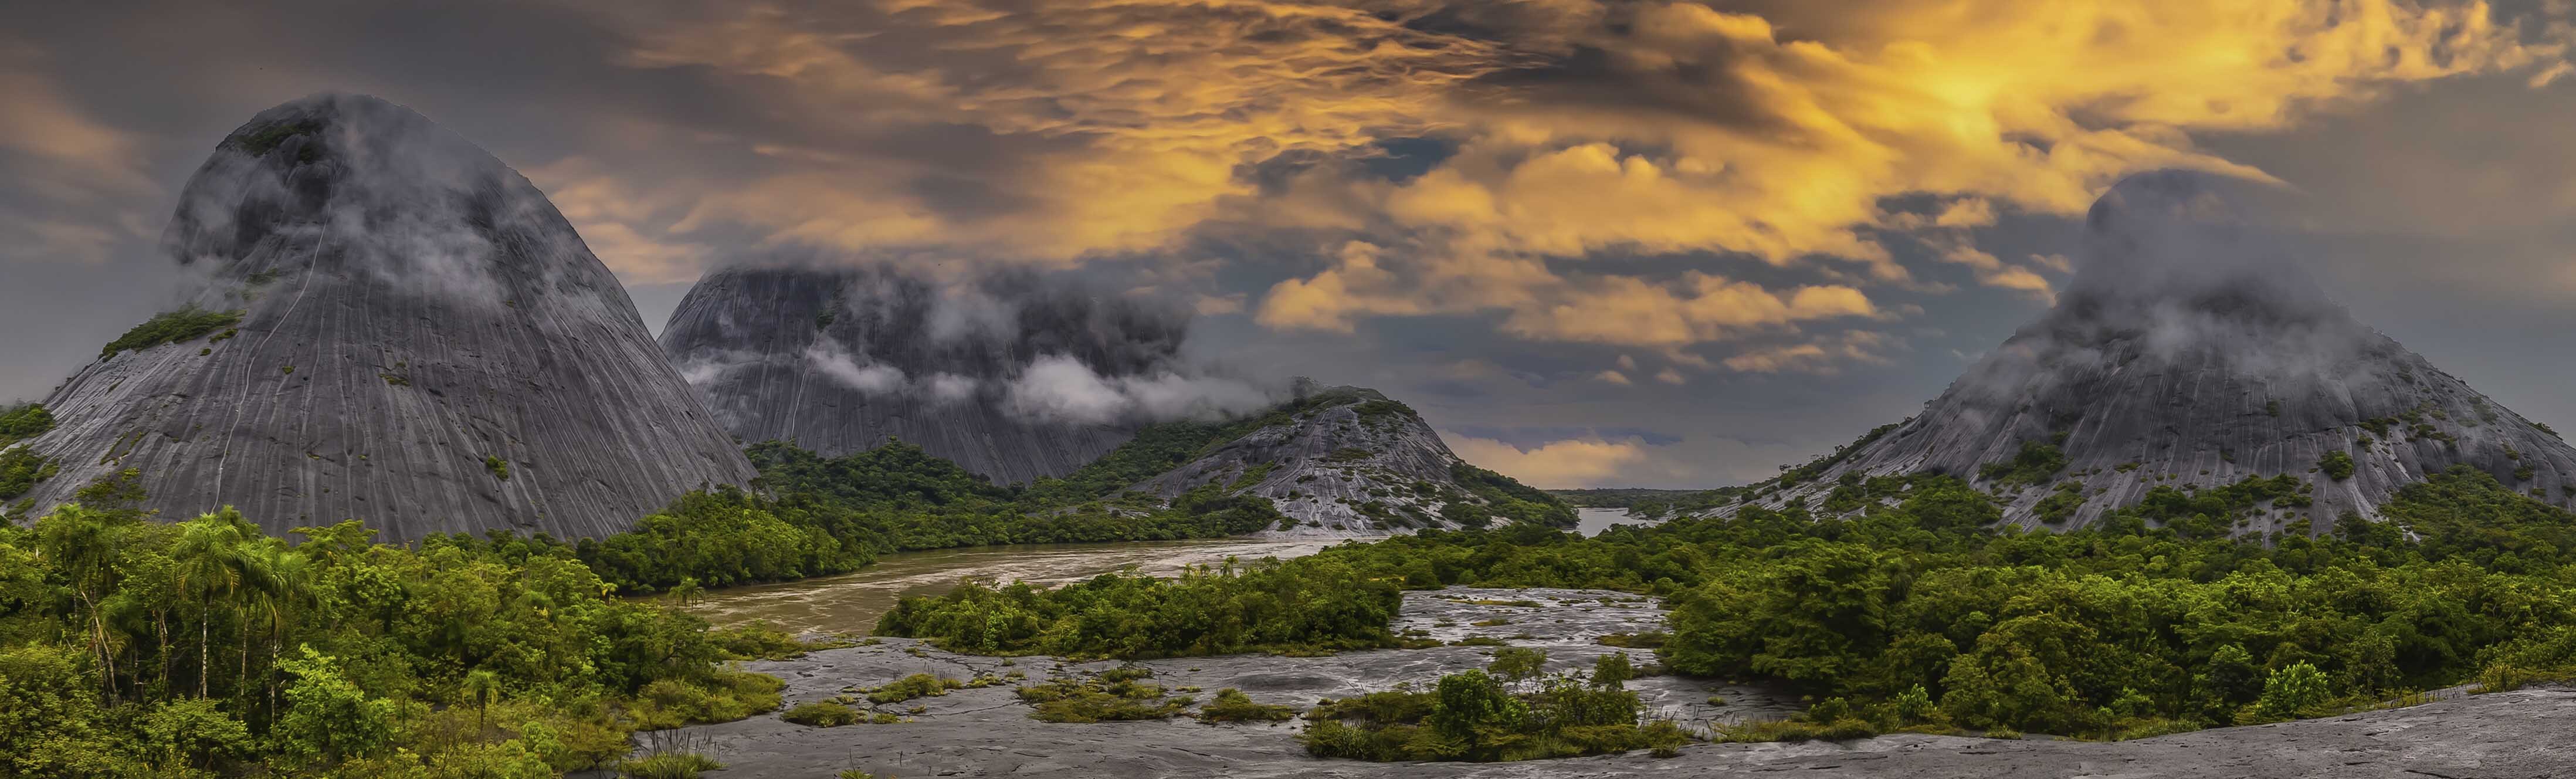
{"points": [[26, 420], [914, 686], [821, 714], [1115, 696], [670, 765], [1231, 705], [2034, 464], [2336, 465], [179, 326]]}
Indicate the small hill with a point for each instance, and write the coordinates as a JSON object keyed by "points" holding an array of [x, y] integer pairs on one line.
{"points": [[1344, 461]]}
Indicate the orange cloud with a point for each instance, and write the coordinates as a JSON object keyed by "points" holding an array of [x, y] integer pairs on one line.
{"points": [[1580, 128], [78, 167], [1556, 465]]}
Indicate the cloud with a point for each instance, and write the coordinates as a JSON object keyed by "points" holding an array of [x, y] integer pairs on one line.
{"points": [[1061, 388], [1541, 305], [75, 181], [1821, 356], [1613, 377], [1555, 465]]}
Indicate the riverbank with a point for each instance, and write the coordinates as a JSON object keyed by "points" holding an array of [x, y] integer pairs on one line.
{"points": [[852, 602], [987, 731]]}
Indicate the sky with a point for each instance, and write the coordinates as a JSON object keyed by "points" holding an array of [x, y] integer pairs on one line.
{"points": [[1594, 242]]}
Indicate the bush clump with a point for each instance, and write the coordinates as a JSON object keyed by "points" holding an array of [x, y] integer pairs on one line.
{"points": [[171, 327], [821, 714], [2336, 465], [1231, 705], [1116, 695], [25, 420], [1509, 714], [914, 686]]}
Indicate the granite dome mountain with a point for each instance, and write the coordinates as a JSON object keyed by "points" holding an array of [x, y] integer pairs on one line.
{"points": [[2191, 351], [1006, 375], [394, 327]]}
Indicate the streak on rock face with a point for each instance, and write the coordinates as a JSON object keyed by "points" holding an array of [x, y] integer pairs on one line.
{"points": [[418, 319], [1327, 464], [1006, 376], [2191, 351]]}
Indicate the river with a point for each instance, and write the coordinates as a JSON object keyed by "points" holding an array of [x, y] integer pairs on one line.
{"points": [[851, 602]]}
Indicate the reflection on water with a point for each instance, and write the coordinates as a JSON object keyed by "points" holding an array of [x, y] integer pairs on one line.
{"points": [[853, 601], [1591, 521]]}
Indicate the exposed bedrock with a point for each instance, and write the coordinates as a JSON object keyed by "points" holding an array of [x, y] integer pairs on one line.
{"points": [[2191, 350], [988, 732], [425, 344]]}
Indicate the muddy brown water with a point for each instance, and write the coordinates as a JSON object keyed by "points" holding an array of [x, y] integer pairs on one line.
{"points": [[852, 602]]}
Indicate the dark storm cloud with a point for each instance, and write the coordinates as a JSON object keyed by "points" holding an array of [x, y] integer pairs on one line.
{"points": [[1771, 221]]}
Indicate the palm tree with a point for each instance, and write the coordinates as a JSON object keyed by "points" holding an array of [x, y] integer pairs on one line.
{"points": [[212, 566], [482, 686], [286, 587], [83, 545]]}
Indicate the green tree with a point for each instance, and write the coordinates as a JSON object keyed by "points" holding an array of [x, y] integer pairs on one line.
{"points": [[480, 687], [328, 718], [1471, 704], [195, 733], [213, 567], [1612, 671], [2296, 690]]}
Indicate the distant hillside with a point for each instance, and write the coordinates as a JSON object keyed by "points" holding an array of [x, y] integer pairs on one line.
{"points": [[1343, 461], [1619, 497]]}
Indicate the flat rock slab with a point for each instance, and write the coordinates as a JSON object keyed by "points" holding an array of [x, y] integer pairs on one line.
{"points": [[987, 732]]}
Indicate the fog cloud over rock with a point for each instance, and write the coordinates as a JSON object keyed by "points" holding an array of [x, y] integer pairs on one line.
{"points": [[1010, 372]]}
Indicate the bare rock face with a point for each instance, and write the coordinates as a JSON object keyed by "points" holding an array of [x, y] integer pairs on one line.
{"points": [[424, 344], [1005, 375], [2189, 352], [1343, 462]]}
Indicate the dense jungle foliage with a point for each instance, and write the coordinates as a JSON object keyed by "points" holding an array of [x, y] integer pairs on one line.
{"points": [[131, 646], [836, 514], [1914, 612], [1298, 606]]}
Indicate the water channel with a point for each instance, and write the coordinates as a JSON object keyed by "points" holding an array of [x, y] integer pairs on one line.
{"points": [[851, 602]]}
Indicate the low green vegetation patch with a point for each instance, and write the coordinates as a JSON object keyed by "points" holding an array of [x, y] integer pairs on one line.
{"points": [[914, 686], [1116, 695], [24, 421], [822, 714], [181, 326], [669, 765], [2336, 465], [2036, 463], [1509, 712], [1231, 705], [21, 469]]}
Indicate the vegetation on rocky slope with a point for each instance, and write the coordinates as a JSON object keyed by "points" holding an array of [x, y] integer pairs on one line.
{"points": [[180, 326]]}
